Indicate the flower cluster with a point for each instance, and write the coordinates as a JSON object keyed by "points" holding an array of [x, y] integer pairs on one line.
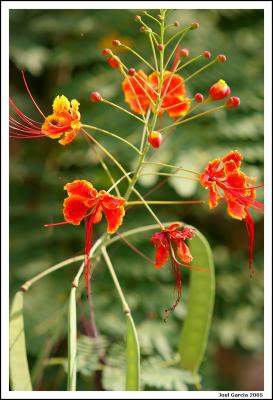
{"points": [[149, 96]]}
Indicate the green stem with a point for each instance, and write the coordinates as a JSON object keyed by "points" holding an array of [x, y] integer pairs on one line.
{"points": [[94, 128], [200, 70], [130, 203], [189, 62], [166, 174], [122, 109], [192, 118], [138, 55], [109, 264], [172, 166]]}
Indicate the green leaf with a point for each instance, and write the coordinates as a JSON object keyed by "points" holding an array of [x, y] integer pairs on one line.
{"points": [[194, 336], [132, 356], [19, 372], [72, 341]]}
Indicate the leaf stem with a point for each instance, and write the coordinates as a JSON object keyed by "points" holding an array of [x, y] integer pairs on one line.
{"points": [[122, 109]]}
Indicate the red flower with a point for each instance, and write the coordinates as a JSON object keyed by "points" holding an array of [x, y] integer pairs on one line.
{"points": [[140, 91], [164, 243], [64, 121], [225, 180]]}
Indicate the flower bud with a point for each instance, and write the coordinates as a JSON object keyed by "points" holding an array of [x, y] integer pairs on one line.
{"points": [[95, 97], [131, 71], [195, 25], [160, 46], [137, 18], [221, 58], [176, 24], [219, 90], [114, 62], [199, 98], [143, 29], [155, 139], [116, 43], [207, 54], [184, 53], [233, 102], [106, 52]]}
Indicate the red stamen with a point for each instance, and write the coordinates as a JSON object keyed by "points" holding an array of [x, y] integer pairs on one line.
{"points": [[250, 232], [30, 95], [56, 224]]}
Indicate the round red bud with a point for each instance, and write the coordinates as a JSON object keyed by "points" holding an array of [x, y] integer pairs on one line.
{"points": [[114, 62], [195, 25], [116, 43], [207, 54], [106, 52], [160, 46], [155, 139], [199, 98], [184, 53], [221, 58], [219, 90], [95, 97], [233, 102], [131, 71]]}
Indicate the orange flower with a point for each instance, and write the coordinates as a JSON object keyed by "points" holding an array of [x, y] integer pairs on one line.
{"points": [[136, 90], [85, 202], [172, 94], [163, 242], [225, 179], [64, 121], [139, 90]]}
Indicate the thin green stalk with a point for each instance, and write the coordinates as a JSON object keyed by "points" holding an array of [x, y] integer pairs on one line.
{"points": [[171, 166], [152, 17], [177, 34], [167, 174], [122, 109], [110, 176], [192, 118], [175, 47], [189, 62], [94, 128], [201, 70], [136, 202], [154, 53], [138, 55]]}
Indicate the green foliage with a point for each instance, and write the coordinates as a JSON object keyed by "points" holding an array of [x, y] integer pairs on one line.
{"points": [[19, 372]]}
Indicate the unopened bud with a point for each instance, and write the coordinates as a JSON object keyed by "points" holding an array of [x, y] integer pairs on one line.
{"points": [[143, 29], [106, 52], [219, 90], [131, 71], [195, 25], [155, 139], [221, 58], [207, 54], [159, 16], [199, 98], [114, 62], [160, 46], [95, 97], [233, 102], [176, 24], [184, 53], [137, 18], [116, 43]]}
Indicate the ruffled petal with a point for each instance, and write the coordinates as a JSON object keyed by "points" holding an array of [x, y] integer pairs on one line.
{"points": [[235, 156], [235, 209], [74, 209], [183, 252], [161, 256], [214, 195], [114, 218], [82, 188], [176, 106]]}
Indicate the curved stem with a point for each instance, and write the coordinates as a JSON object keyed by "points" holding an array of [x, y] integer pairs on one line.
{"points": [[138, 55], [94, 128], [122, 109], [130, 203], [173, 175], [109, 264], [172, 166], [200, 70]]}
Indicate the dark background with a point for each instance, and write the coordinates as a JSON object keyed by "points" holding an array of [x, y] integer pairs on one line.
{"points": [[60, 51]]}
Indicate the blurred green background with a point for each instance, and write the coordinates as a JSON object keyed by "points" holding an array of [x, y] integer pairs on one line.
{"points": [[60, 51]]}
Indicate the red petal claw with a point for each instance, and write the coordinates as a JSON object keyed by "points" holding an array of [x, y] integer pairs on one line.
{"points": [[250, 232], [161, 256]]}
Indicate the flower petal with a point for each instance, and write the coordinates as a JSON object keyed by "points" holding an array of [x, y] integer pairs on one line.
{"points": [[75, 209], [82, 188], [114, 218], [235, 209], [183, 252], [235, 156], [214, 195], [161, 256]]}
